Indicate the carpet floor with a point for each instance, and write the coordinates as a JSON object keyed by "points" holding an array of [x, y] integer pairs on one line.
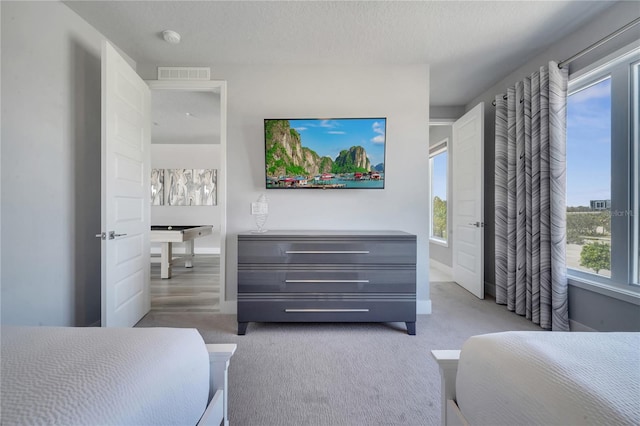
{"points": [[344, 373]]}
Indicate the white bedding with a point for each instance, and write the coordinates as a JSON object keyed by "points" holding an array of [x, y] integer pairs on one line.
{"points": [[547, 378], [103, 376]]}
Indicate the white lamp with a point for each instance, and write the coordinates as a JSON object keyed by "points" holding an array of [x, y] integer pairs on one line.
{"points": [[260, 209]]}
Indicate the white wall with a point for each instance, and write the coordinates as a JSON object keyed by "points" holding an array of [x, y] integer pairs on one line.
{"points": [[400, 93], [51, 149], [50, 193], [445, 112], [187, 156]]}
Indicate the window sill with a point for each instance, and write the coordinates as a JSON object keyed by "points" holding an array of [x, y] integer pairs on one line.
{"points": [[625, 295], [439, 242]]}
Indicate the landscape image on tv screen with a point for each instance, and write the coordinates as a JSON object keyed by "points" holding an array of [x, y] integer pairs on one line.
{"points": [[339, 153]]}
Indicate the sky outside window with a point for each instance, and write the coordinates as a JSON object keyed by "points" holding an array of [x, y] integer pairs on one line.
{"points": [[589, 145], [439, 176]]}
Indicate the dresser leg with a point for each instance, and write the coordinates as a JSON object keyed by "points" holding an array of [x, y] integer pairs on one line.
{"points": [[242, 328], [411, 328]]}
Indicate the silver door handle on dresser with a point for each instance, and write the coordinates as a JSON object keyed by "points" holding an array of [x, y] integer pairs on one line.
{"points": [[324, 310], [327, 252], [326, 281]]}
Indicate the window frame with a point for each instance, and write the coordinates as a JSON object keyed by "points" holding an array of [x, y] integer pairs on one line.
{"points": [[634, 111], [622, 67], [435, 150]]}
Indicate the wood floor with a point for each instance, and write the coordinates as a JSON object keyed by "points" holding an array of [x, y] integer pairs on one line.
{"points": [[194, 289]]}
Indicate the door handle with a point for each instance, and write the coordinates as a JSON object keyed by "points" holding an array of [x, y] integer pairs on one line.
{"points": [[477, 224], [327, 252], [102, 236], [312, 310], [327, 281], [113, 235]]}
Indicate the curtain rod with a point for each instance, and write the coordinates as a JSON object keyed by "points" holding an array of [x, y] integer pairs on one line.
{"points": [[600, 42], [593, 46]]}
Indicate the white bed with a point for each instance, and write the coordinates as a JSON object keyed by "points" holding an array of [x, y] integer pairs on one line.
{"points": [[112, 376], [543, 378]]}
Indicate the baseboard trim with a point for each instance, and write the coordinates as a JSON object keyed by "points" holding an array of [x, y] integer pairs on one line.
{"points": [[229, 307], [181, 250], [577, 326], [423, 307], [441, 267], [490, 289]]}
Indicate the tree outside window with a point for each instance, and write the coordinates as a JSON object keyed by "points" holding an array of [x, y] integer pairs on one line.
{"points": [[438, 162]]}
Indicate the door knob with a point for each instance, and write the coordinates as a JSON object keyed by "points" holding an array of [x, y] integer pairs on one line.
{"points": [[102, 236], [477, 224], [113, 235]]}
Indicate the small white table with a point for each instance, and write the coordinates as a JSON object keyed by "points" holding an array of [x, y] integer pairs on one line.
{"points": [[169, 234]]}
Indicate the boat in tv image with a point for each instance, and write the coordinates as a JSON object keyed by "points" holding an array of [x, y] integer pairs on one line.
{"points": [[337, 153]]}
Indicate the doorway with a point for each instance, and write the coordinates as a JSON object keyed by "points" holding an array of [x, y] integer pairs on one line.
{"points": [[188, 138], [456, 238]]}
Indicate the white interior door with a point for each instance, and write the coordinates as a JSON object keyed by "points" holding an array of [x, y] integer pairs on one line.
{"points": [[467, 152], [125, 192]]}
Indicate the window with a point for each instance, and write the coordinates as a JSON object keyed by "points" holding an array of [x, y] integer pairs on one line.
{"points": [[602, 173], [589, 178], [438, 159]]}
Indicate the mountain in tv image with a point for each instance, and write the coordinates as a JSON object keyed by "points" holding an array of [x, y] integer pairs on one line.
{"points": [[290, 163]]}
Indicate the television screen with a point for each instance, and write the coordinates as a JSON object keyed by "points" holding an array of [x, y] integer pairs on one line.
{"points": [[339, 153]]}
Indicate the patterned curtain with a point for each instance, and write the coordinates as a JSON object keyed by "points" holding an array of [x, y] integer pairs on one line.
{"points": [[530, 187]]}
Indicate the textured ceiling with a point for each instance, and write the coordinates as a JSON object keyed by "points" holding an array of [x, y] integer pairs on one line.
{"points": [[469, 44], [185, 117]]}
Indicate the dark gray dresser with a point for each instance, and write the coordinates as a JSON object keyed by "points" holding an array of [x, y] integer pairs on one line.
{"points": [[327, 276]]}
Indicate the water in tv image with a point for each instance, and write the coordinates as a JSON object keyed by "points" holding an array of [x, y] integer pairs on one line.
{"points": [[325, 153]]}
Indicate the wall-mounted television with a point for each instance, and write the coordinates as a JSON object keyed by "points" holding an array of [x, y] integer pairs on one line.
{"points": [[327, 153]]}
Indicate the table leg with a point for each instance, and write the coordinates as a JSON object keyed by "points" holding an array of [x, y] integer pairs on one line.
{"points": [[411, 328], [188, 253], [166, 257], [242, 328]]}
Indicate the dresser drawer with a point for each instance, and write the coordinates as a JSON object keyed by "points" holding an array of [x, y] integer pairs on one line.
{"points": [[318, 279], [278, 309], [327, 251]]}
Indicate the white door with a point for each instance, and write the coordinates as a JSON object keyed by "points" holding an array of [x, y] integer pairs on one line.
{"points": [[125, 192], [467, 152]]}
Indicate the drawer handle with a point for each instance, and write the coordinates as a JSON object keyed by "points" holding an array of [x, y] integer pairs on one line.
{"points": [[324, 310], [327, 252], [326, 281]]}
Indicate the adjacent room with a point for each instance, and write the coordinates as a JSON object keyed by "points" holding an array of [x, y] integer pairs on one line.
{"points": [[185, 155], [320, 212]]}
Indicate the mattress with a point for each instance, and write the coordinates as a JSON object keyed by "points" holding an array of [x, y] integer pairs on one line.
{"points": [[103, 376], [550, 378]]}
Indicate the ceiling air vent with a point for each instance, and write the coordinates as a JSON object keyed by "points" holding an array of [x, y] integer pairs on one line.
{"points": [[184, 73]]}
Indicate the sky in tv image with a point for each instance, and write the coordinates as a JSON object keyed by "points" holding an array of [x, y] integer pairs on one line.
{"points": [[329, 137]]}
